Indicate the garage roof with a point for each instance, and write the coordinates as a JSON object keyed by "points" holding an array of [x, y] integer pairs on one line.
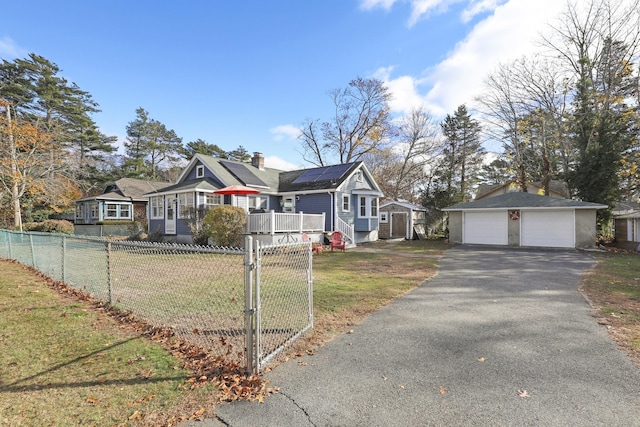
{"points": [[518, 200]]}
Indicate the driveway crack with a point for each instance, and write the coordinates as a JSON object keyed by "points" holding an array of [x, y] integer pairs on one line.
{"points": [[304, 411]]}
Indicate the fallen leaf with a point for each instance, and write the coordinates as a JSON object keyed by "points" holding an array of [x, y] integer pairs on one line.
{"points": [[135, 416], [481, 359], [92, 400], [443, 390], [523, 393], [301, 363], [401, 386]]}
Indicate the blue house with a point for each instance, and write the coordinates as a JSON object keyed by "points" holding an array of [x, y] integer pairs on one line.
{"points": [[314, 201]]}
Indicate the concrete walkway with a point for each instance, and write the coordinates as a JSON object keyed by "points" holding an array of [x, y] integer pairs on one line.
{"points": [[500, 337]]}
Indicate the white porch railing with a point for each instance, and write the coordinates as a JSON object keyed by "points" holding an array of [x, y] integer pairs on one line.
{"points": [[345, 229], [275, 222]]}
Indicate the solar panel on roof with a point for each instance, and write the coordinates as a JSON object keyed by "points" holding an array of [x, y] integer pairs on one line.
{"points": [[243, 174], [322, 174]]}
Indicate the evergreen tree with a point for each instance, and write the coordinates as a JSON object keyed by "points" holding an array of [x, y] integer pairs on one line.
{"points": [[200, 146], [149, 144], [462, 155]]}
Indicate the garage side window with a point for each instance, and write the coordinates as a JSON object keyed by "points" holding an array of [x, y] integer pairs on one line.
{"points": [[383, 217]]}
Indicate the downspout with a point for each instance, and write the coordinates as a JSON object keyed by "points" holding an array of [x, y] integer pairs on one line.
{"points": [[332, 196]]}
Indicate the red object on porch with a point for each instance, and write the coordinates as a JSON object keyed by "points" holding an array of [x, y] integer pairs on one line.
{"points": [[337, 241], [316, 247]]}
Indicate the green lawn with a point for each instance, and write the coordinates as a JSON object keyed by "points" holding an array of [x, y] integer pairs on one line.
{"points": [[63, 363]]}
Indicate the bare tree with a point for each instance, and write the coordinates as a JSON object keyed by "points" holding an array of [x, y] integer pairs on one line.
{"points": [[361, 124], [401, 168]]}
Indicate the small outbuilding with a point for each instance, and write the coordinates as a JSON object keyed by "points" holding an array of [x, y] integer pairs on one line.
{"points": [[402, 220], [524, 219], [626, 224]]}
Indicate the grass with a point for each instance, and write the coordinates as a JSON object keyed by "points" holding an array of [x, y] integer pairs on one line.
{"points": [[64, 363], [614, 289]]}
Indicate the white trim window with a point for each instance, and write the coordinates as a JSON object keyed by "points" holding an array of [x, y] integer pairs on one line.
{"points": [[95, 210], [288, 204], [211, 200], [200, 171], [125, 211], [111, 210], [185, 205], [384, 218], [157, 207], [257, 202], [368, 207], [346, 203]]}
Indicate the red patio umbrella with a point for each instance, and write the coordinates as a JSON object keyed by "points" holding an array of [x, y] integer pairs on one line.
{"points": [[237, 190]]}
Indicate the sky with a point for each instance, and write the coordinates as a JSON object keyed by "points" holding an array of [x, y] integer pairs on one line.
{"points": [[250, 73]]}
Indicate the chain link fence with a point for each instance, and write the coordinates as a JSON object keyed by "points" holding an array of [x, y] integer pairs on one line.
{"points": [[243, 304]]}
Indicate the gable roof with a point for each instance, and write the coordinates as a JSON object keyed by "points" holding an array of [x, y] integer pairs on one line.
{"points": [[129, 189], [320, 178], [406, 205], [555, 186], [625, 207], [202, 184], [235, 173], [519, 200]]}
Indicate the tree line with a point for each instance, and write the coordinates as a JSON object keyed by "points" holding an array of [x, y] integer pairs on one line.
{"points": [[52, 151], [568, 114]]}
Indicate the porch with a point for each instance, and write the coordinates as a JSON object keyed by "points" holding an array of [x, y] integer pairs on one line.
{"points": [[277, 227]]}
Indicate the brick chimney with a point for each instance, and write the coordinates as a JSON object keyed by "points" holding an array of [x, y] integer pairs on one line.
{"points": [[257, 160]]}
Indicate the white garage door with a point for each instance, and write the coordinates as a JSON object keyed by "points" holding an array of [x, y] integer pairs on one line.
{"points": [[485, 228], [554, 229]]}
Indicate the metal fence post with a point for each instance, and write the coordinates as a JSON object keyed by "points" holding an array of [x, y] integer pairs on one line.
{"points": [[33, 253], [248, 304], [10, 247], [109, 272], [310, 286], [64, 259], [257, 320]]}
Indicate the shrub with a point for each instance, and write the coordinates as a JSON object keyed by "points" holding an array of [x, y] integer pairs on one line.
{"points": [[155, 236], [195, 222], [225, 225], [50, 226]]}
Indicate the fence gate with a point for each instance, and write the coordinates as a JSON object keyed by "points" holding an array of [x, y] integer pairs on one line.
{"points": [[278, 298]]}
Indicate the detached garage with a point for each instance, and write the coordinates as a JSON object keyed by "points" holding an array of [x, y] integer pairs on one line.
{"points": [[524, 219]]}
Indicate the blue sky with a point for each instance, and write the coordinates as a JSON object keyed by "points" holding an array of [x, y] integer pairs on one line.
{"points": [[249, 72]]}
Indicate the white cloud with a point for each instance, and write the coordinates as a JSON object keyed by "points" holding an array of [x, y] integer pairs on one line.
{"points": [[9, 48], [476, 7], [285, 132], [372, 4], [404, 89], [509, 33], [276, 162]]}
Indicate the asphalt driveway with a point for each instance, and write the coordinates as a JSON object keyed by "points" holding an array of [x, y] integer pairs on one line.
{"points": [[500, 337]]}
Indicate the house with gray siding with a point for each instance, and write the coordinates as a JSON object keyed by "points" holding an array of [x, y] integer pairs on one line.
{"points": [[314, 201]]}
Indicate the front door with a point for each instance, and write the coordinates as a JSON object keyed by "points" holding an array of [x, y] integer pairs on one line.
{"points": [[399, 224], [170, 215]]}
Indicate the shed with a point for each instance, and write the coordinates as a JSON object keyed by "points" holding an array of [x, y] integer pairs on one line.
{"points": [[402, 219], [626, 223], [524, 219]]}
